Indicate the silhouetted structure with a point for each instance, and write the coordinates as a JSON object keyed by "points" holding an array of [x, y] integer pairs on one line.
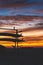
{"points": [[16, 37]]}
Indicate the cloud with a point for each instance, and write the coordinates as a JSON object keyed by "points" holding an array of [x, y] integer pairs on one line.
{"points": [[39, 38], [21, 22], [20, 1], [40, 10], [21, 9], [40, 24]]}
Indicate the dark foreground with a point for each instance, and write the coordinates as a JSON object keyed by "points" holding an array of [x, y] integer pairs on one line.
{"points": [[21, 56]]}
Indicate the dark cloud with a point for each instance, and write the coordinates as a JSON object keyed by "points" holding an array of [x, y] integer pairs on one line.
{"points": [[12, 1], [40, 24], [19, 1]]}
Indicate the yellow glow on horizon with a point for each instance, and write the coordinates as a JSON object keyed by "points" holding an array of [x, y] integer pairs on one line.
{"points": [[24, 44]]}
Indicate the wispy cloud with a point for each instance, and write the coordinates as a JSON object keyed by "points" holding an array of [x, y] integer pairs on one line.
{"points": [[22, 22]]}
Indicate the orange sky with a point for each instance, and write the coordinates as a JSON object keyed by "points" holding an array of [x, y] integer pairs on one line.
{"points": [[32, 39], [32, 31]]}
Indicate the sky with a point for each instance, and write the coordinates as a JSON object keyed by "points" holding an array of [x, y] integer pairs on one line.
{"points": [[25, 15], [21, 7], [32, 30]]}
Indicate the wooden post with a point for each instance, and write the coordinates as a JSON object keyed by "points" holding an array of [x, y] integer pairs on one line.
{"points": [[17, 44]]}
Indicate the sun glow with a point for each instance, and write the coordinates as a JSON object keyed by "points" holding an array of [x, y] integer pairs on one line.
{"points": [[33, 33], [23, 44]]}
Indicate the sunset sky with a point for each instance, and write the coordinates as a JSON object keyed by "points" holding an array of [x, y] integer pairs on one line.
{"points": [[25, 15]]}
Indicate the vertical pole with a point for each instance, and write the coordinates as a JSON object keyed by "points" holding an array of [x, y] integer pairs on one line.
{"points": [[15, 44]]}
